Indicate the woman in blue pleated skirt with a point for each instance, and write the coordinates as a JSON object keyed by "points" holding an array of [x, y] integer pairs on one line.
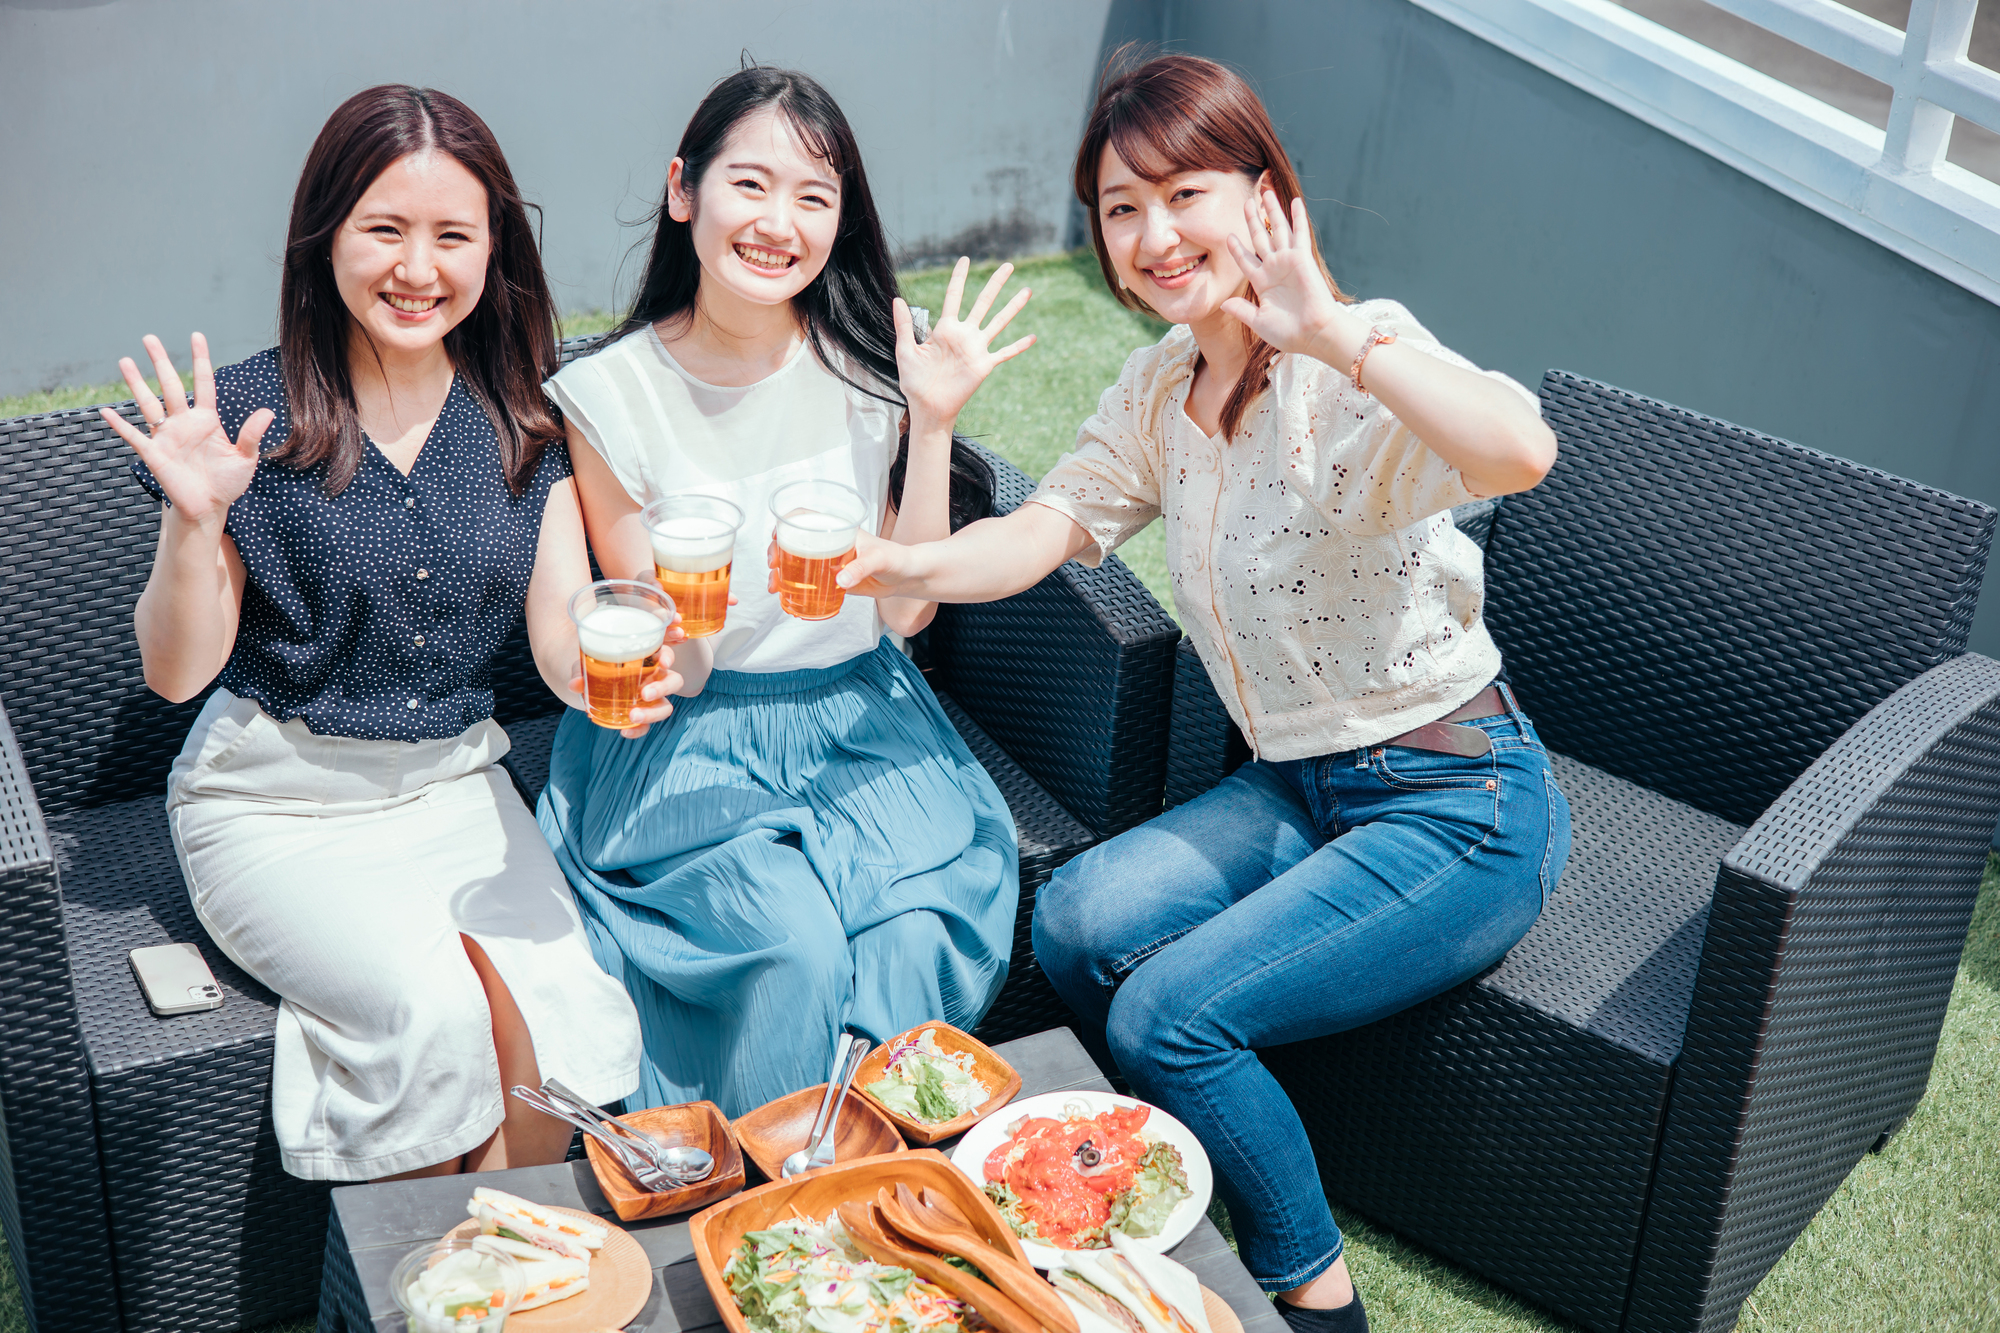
{"points": [[804, 843]]}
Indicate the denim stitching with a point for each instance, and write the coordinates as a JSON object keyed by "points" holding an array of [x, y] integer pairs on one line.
{"points": [[1126, 964], [1551, 795], [1300, 1276]]}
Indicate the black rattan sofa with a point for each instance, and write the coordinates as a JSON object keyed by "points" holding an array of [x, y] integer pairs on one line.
{"points": [[1748, 660], [139, 1181], [1627, 1121]]}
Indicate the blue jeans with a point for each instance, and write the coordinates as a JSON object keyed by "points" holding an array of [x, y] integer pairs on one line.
{"points": [[1297, 899]]}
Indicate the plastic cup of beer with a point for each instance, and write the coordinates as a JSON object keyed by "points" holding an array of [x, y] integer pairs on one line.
{"points": [[620, 625], [816, 526], [693, 538]]}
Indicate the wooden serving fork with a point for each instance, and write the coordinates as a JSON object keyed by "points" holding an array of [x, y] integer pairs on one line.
{"points": [[1016, 1280], [859, 1219]]}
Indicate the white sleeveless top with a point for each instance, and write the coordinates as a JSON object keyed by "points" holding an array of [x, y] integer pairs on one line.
{"points": [[663, 432]]}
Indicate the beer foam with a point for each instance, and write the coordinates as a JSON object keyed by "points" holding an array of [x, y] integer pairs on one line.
{"points": [[693, 544], [614, 633], [811, 535]]}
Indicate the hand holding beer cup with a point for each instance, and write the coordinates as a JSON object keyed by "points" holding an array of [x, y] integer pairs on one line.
{"points": [[816, 524], [621, 630], [188, 452], [694, 540]]}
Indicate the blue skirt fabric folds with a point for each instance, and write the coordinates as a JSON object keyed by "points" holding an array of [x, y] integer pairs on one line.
{"points": [[790, 852]]}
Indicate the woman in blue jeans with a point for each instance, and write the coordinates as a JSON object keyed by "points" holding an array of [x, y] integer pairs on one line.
{"points": [[1400, 829]]}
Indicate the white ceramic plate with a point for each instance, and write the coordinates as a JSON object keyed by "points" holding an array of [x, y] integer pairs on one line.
{"points": [[979, 1141]]}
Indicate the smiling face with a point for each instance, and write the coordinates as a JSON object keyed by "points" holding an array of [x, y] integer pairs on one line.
{"points": [[1167, 238], [410, 260], [764, 215]]}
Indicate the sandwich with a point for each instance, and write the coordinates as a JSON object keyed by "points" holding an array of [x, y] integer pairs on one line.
{"points": [[561, 1234], [1130, 1290], [550, 1277]]}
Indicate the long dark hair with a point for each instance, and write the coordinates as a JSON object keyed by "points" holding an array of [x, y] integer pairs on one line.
{"points": [[846, 311], [1179, 113], [503, 350]]}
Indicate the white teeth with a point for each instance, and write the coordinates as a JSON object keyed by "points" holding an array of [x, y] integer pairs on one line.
{"points": [[415, 305], [1168, 274], [764, 258]]}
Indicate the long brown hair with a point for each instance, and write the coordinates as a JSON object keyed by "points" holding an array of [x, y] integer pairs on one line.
{"points": [[1174, 114], [846, 309], [503, 349]]}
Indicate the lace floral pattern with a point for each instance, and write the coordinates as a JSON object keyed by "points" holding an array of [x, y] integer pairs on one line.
{"points": [[1313, 557]]}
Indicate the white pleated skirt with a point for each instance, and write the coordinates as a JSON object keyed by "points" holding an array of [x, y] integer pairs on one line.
{"points": [[341, 873]]}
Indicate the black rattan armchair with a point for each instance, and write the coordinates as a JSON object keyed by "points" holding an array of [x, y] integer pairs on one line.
{"points": [[139, 1178], [1749, 661]]}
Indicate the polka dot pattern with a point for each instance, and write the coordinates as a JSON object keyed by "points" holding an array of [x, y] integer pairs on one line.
{"points": [[1313, 559], [375, 613]]}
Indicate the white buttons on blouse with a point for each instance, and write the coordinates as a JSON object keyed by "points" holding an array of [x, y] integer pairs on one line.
{"points": [[423, 573], [413, 703], [420, 641]]}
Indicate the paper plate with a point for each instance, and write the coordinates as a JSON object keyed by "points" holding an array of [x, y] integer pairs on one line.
{"points": [[979, 1141]]}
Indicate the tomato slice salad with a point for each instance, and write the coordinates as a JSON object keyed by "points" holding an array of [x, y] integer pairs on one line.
{"points": [[1069, 1177]]}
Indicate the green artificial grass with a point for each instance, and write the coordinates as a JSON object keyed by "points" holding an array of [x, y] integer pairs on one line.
{"points": [[1911, 1240]]}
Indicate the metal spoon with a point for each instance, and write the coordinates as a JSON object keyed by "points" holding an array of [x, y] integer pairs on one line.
{"points": [[691, 1165], [798, 1161], [822, 1153], [648, 1176]]}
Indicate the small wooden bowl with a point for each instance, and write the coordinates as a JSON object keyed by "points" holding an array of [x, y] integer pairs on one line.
{"points": [[718, 1230], [987, 1067], [691, 1124], [776, 1130]]}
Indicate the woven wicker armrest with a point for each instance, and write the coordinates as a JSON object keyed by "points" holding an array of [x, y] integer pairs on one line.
{"points": [[1073, 678], [1832, 945], [51, 1183]]}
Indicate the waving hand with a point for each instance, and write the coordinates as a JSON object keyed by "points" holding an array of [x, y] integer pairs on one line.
{"points": [[940, 374], [1294, 305], [189, 452]]}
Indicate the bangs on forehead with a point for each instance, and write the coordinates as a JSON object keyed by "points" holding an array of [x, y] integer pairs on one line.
{"points": [[1157, 146], [813, 138]]}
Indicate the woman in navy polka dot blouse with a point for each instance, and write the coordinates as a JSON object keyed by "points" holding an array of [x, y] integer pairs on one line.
{"points": [[354, 522]]}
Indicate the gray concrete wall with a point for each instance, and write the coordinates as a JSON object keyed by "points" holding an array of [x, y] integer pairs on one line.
{"points": [[151, 146], [1532, 226]]}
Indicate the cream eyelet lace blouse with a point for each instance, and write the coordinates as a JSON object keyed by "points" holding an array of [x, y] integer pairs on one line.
{"points": [[1313, 557]]}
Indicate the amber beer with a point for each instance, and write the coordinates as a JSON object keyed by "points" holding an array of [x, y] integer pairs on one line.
{"points": [[816, 526], [620, 626], [694, 538]]}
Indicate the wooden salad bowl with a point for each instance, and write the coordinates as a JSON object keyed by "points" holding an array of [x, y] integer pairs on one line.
{"points": [[776, 1130], [691, 1124], [987, 1067], [717, 1230]]}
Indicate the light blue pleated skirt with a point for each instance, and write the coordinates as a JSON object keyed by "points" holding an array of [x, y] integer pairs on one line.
{"points": [[790, 852]]}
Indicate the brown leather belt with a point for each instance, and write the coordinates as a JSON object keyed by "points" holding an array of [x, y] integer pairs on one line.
{"points": [[1446, 737]]}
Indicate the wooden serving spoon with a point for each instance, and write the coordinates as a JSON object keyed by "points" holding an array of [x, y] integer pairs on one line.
{"points": [[859, 1219], [1016, 1280]]}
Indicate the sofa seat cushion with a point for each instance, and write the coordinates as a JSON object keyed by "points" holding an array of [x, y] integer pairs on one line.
{"points": [[207, 1229]]}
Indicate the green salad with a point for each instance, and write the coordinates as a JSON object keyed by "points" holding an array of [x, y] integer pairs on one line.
{"points": [[804, 1276], [925, 1082]]}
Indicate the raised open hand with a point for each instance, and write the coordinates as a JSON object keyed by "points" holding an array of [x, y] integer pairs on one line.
{"points": [[1294, 305], [939, 374], [189, 452]]}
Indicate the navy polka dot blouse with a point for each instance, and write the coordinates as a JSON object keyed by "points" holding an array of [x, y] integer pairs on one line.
{"points": [[375, 613]]}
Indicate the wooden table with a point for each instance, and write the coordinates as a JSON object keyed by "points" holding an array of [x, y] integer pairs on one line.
{"points": [[372, 1226]]}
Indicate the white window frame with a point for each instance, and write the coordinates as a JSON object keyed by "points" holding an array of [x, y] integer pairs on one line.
{"points": [[1894, 187]]}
